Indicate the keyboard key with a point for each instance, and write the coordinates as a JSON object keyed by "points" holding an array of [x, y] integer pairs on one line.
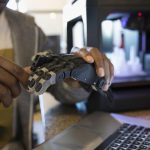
{"points": [[140, 139], [124, 145], [114, 145], [137, 143], [140, 128], [133, 147], [146, 143], [128, 142], [142, 147], [131, 139], [126, 134], [131, 128], [118, 141], [137, 132], [122, 138], [122, 148], [110, 148]]}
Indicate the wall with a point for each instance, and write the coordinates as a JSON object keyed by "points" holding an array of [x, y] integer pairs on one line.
{"points": [[47, 13]]}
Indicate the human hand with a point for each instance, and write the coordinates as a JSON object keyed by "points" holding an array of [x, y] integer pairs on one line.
{"points": [[104, 67], [10, 76]]}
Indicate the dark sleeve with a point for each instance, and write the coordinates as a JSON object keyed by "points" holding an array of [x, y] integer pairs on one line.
{"points": [[100, 101]]}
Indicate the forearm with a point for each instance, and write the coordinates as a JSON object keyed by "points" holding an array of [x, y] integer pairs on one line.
{"points": [[67, 94]]}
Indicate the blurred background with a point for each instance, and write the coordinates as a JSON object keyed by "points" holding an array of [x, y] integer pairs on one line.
{"points": [[47, 14]]}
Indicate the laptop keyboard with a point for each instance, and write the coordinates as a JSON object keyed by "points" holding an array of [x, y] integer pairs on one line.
{"points": [[128, 137]]}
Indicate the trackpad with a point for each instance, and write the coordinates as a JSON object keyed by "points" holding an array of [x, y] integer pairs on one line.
{"points": [[89, 133]]}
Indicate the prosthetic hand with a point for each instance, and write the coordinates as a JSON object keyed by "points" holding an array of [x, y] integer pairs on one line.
{"points": [[49, 69]]}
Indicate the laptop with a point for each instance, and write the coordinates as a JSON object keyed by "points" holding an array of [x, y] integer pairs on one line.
{"points": [[102, 131]]}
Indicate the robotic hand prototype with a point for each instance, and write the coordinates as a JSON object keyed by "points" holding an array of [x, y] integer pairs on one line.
{"points": [[49, 69]]}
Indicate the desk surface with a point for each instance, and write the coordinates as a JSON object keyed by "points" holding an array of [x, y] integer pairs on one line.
{"points": [[60, 121], [92, 131], [59, 117]]}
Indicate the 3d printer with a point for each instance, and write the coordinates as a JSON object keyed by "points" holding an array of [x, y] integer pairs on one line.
{"points": [[121, 28]]}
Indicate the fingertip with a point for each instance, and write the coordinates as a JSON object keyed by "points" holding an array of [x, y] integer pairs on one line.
{"points": [[89, 59], [28, 69], [105, 88], [100, 72]]}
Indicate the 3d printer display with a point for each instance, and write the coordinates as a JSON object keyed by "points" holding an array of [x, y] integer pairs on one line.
{"points": [[128, 39], [120, 28]]}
